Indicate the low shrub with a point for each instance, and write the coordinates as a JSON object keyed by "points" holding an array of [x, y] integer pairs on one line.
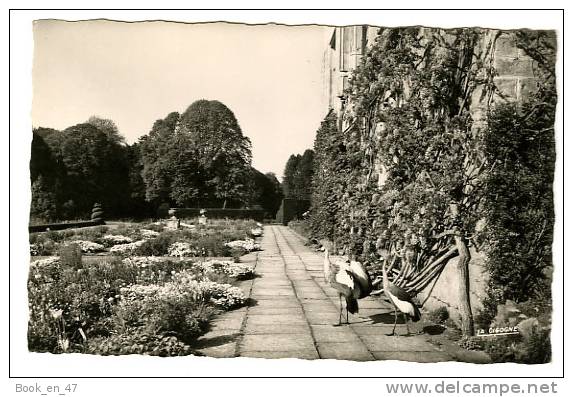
{"points": [[183, 249], [234, 270], [138, 341], [71, 255], [471, 343], [181, 317], [148, 233], [83, 295], [109, 240], [156, 227], [89, 246], [126, 249], [439, 315], [247, 245], [537, 348], [158, 246], [45, 248]]}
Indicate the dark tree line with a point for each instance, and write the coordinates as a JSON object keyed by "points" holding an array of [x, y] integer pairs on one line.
{"points": [[297, 181], [74, 168], [197, 158]]}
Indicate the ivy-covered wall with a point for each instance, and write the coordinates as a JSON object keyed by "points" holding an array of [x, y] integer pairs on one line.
{"points": [[415, 171]]}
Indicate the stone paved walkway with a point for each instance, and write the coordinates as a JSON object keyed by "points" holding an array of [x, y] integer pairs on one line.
{"points": [[293, 310]]}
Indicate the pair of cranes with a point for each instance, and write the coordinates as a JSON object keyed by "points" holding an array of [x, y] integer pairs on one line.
{"points": [[353, 282]]}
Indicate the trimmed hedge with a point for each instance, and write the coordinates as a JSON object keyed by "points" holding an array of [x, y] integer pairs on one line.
{"points": [[292, 209], [216, 213], [62, 226]]}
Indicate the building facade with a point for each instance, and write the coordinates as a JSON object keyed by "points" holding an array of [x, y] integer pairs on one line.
{"points": [[344, 48]]}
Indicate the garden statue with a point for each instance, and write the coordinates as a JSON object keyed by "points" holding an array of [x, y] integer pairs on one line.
{"points": [[173, 222], [202, 217]]}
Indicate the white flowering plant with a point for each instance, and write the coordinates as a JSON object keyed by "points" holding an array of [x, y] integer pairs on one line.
{"points": [[147, 233], [126, 248], [185, 284], [257, 232], [44, 263], [110, 240], [89, 246], [180, 249], [238, 271], [248, 245]]}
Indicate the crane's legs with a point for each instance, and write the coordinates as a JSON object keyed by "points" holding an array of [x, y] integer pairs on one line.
{"points": [[406, 322], [340, 311], [395, 321]]}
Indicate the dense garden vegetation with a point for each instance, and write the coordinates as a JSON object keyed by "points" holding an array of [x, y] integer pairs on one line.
{"points": [[153, 291]]}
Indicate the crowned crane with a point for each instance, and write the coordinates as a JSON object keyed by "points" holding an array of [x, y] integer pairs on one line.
{"points": [[351, 280], [401, 301]]}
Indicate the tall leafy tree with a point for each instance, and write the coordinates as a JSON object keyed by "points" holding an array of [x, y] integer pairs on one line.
{"points": [[91, 167], [138, 205], [267, 192], [222, 150], [330, 171], [43, 204], [156, 150], [298, 174], [46, 176], [108, 127], [198, 158], [290, 176], [304, 175]]}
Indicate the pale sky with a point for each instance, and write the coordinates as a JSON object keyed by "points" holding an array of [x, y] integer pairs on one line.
{"points": [[136, 73]]}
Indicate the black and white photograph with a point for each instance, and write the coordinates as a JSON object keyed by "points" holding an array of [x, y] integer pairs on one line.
{"points": [[318, 192]]}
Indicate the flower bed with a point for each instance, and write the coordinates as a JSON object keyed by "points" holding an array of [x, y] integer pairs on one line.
{"points": [[155, 240], [185, 285], [143, 305], [157, 268], [110, 240], [147, 233], [126, 248], [89, 246], [248, 245], [238, 271], [257, 232], [181, 249]]}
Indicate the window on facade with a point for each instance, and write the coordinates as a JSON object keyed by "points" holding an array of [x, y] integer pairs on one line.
{"points": [[333, 40], [346, 39]]}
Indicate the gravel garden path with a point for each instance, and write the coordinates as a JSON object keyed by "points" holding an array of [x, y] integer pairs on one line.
{"points": [[292, 311]]}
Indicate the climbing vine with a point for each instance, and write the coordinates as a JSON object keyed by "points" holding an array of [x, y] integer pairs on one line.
{"points": [[406, 176], [519, 145]]}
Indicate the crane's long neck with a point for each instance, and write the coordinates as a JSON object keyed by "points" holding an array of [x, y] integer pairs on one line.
{"points": [[326, 261], [384, 276]]}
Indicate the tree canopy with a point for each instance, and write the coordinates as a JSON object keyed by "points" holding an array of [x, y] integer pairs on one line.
{"points": [[298, 174], [197, 158], [76, 167]]}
